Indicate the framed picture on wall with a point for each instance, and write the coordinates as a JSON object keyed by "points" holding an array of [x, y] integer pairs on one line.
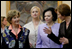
{"points": [[24, 8]]}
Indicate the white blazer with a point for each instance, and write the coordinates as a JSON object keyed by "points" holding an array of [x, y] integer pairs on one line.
{"points": [[33, 32]]}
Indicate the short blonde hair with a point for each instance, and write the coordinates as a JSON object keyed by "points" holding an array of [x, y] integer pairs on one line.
{"points": [[35, 7], [11, 14]]}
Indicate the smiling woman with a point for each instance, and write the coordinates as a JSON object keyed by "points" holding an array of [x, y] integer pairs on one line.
{"points": [[24, 8], [15, 36]]}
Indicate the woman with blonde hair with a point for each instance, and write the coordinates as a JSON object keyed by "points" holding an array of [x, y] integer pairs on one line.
{"points": [[15, 36], [33, 25]]}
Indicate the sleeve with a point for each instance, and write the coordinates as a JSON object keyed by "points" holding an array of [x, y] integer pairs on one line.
{"points": [[70, 41], [55, 38], [39, 41], [27, 41], [4, 45]]}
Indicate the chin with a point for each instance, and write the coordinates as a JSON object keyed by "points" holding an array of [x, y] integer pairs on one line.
{"points": [[35, 17], [48, 22]]}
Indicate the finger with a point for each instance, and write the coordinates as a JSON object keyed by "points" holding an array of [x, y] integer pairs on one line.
{"points": [[60, 41], [50, 28], [45, 31], [61, 38], [46, 27]]}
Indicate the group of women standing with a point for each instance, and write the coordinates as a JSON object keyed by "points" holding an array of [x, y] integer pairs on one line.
{"points": [[38, 34]]}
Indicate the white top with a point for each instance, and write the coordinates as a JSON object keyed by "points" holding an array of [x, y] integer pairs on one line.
{"points": [[33, 32]]}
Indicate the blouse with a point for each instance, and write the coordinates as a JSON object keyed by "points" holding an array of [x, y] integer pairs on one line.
{"points": [[43, 41]]}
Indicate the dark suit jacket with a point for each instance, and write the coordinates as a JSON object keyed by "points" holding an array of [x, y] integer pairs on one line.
{"points": [[63, 32]]}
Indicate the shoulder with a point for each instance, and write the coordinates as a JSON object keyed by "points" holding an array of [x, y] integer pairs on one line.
{"points": [[7, 27], [28, 24], [57, 24], [41, 25], [62, 22], [41, 22], [26, 29]]}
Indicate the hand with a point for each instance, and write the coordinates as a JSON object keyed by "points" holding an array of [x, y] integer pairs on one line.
{"points": [[35, 43], [48, 31], [64, 40], [30, 44]]}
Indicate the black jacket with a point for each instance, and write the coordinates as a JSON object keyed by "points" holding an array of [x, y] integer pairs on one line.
{"points": [[63, 32]]}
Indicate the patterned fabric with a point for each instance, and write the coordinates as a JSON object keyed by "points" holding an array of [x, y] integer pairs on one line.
{"points": [[10, 41]]}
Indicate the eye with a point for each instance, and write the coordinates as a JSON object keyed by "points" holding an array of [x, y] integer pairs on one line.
{"points": [[44, 16], [32, 11], [14, 17], [48, 16], [17, 16], [36, 11]]}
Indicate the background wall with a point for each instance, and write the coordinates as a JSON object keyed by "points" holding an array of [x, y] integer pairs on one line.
{"points": [[3, 7], [67, 2]]}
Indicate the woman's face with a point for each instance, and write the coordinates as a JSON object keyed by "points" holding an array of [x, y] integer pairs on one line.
{"points": [[15, 20], [60, 16], [48, 17], [35, 13], [4, 22]]}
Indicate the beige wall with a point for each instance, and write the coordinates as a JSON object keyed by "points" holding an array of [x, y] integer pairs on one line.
{"points": [[67, 2], [3, 7]]}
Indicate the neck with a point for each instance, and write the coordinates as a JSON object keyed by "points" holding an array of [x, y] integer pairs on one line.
{"points": [[68, 19], [35, 20], [15, 26], [50, 24]]}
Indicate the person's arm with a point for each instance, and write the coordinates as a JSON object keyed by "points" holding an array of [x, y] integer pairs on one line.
{"points": [[27, 45], [39, 42], [70, 42], [3, 44], [54, 38]]}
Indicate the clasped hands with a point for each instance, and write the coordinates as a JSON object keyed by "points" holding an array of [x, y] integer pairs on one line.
{"points": [[62, 40]]}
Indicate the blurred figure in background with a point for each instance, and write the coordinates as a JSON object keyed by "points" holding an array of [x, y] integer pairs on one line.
{"points": [[3, 26]]}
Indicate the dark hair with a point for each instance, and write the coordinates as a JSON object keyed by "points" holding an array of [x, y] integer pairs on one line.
{"points": [[64, 10], [53, 11]]}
